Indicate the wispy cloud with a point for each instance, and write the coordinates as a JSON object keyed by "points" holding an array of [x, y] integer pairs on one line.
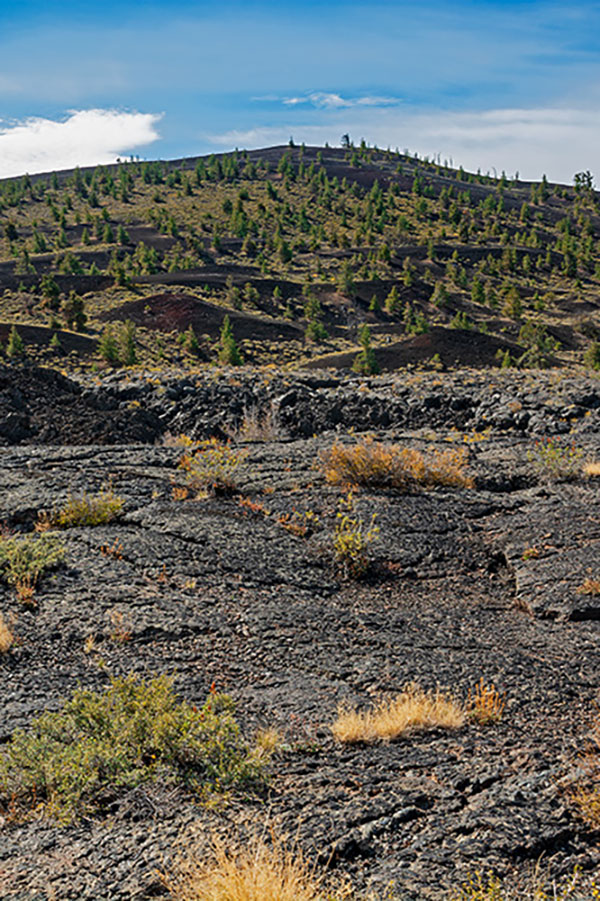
{"points": [[326, 100], [84, 138], [558, 141]]}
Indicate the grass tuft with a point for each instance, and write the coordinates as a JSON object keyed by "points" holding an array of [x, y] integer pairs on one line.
{"points": [[258, 425], [486, 704], [371, 463], [592, 470], [412, 710], [534, 885], [7, 638], [84, 510], [257, 872]]}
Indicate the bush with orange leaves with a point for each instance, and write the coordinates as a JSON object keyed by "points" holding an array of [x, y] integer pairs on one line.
{"points": [[378, 465]]}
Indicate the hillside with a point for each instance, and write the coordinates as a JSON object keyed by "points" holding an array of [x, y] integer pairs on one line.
{"points": [[301, 246]]}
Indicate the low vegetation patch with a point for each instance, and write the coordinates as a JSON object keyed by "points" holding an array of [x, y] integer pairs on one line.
{"points": [[485, 704], [554, 460], [258, 425], [256, 872], [536, 885], [6, 636], [592, 470], [590, 586], [78, 760], [83, 510], [23, 559], [585, 793], [413, 710], [352, 540], [211, 467], [378, 465]]}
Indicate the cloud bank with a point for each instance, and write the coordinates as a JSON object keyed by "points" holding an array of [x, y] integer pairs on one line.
{"points": [[84, 138], [555, 141]]}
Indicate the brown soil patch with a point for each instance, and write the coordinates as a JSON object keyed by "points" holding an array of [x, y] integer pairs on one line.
{"points": [[176, 312], [454, 347]]}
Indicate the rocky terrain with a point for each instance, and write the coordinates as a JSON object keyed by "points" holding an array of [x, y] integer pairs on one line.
{"points": [[464, 584]]}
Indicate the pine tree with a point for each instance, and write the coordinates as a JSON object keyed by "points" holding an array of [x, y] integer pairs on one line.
{"points": [[15, 346], [228, 350], [190, 341], [365, 362], [128, 353], [108, 347], [50, 290], [392, 301], [591, 357]]}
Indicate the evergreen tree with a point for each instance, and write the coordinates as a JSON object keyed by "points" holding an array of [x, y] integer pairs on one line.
{"points": [[108, 347], [50, 291], [73, 312], [55, 342], [15, 346], [228, 350], [190, 341], [591, 357], [392, 301], [128, 353], [365, 362]]}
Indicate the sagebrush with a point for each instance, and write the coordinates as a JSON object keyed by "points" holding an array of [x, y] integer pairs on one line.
{"points": [[79, 759]]}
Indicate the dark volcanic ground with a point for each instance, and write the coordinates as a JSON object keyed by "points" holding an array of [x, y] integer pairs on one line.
{"points": [[211, 591]]}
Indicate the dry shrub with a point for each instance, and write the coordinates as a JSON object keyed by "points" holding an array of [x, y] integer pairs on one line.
{"points": [[589, 586], [378, 465], [258, 425], [256, 872], [592, 470], [6, 636], [486, 704], [411, 711]]}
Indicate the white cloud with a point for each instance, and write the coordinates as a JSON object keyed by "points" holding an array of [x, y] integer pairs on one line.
{"points": [[85, 138], [557, 141], [326, 100]]}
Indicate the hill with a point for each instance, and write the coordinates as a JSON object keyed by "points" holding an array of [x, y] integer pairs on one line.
{"points": [[323, 239]]}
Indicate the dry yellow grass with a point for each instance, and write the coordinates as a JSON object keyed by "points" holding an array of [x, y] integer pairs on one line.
{"points": [[374, 464], [411, 711], [486, 704], [257, 872], [592, 470], [6, 636], [585, 794]]}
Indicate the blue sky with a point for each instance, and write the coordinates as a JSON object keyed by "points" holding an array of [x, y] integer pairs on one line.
{"points": [[505, 85]]}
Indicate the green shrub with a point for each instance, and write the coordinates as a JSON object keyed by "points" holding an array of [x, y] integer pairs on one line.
{"points": [[352, 539], [212, 466], [78, 760], [555, 460], [23, 559]]}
